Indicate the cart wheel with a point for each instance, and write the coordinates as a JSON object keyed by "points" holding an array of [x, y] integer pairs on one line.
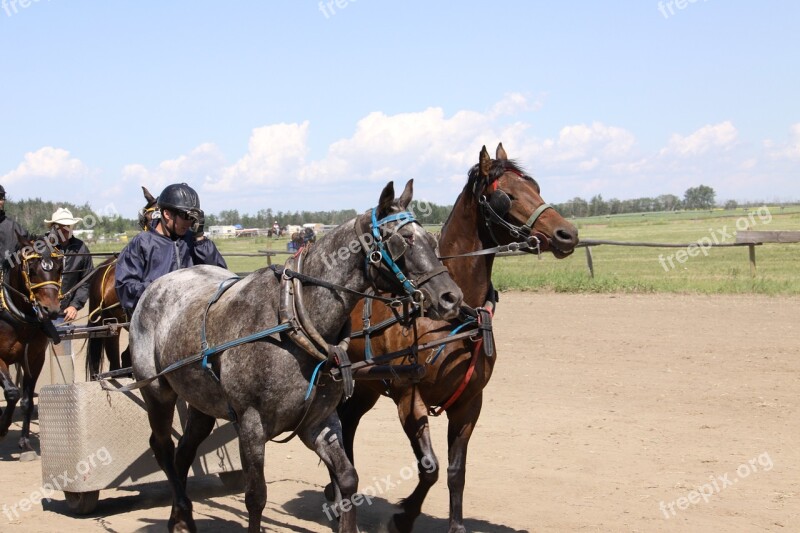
{"points": [[82, 502], [234, 480]]}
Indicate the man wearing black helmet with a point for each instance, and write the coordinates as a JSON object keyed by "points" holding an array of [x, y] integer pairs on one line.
{"points": [[9, 229], [176, 240]]}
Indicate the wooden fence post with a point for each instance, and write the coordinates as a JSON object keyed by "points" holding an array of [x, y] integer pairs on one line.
{"points": [[589, 261], [752, 250]]}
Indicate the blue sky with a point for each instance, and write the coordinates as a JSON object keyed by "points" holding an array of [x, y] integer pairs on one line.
{"points": [[299, 104]]}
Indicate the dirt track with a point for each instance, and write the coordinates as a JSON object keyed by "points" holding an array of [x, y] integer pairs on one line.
{"points": [[602, 408]]}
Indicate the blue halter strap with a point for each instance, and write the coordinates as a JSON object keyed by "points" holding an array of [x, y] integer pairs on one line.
{"points": [[402, 218]]}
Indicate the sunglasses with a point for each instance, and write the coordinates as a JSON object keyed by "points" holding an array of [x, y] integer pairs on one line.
{"points": [[183, 214]]}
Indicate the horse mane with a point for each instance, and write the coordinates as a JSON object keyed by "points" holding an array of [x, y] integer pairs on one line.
{"points": [[499, 167]]}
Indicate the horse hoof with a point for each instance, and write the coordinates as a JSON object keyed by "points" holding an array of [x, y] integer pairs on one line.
{"points": [[457, 529], [27, 456], [330, 492]]}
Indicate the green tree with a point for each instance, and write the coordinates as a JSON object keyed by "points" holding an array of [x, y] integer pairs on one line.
{"points": [[700, 197]]}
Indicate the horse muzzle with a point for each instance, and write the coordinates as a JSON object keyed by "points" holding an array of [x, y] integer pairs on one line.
{"points": [[444, 307]]}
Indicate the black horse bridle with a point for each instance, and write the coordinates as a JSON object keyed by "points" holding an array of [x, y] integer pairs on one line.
{"points": [[496, 206]]}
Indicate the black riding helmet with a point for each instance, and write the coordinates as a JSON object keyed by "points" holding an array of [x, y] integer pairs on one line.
{"points": [[179, 197]]}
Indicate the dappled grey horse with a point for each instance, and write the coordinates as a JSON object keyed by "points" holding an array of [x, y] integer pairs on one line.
{"points": [[264, 384]]}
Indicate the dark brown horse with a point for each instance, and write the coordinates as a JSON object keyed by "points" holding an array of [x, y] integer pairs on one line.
{"points": [[29, 300], [104, 306], [500, 204]]}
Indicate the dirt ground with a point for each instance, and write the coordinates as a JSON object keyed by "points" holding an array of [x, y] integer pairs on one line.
{"points": [[605, 413]]}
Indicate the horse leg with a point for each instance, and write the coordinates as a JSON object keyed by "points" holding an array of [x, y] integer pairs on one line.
{"points": [[125, 357], [94, 356], [29, 378], [198, 427], [461, 423], [160, 410], [11, 393], [414, 416], [326, 440], [111, 345], [252, 438], [350, 414]]}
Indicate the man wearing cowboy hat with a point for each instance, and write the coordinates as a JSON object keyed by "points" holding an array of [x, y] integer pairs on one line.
{"points": [[9, 228], [77, 265]]}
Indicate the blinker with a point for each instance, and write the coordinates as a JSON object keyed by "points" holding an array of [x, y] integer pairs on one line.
{"points": [[500, 202], [396, 245]]}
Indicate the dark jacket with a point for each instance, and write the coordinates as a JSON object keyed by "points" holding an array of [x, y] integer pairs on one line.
{"points": [[76, 268], [150, 255], [8, 237]]}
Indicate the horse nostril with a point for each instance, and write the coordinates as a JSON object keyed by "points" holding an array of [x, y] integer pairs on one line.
{"points": [[566, 236], [450, 299]]}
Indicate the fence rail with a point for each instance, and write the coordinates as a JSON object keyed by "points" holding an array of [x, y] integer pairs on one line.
{"points": [[751, 239]]}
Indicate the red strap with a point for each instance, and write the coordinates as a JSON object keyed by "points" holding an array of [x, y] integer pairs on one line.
{"points": [[457, 394]]}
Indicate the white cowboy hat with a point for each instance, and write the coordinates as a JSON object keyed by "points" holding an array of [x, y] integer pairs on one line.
{"points": [[63, 216]]}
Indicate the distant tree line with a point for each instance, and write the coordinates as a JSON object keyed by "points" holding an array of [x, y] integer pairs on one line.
{"points": [[425, 212], [31, 213], [700, 197]]}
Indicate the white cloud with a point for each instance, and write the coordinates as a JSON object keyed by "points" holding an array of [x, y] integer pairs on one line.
{"points": [[276, 154], [48, 163], [709, 137], [514, 103], [200, 164], [438, 150], [788, 150]]}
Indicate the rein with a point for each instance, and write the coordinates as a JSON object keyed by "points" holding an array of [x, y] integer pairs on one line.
{"points": [[541, 245]]}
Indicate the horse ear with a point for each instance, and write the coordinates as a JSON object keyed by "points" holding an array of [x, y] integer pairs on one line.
{"points": [[408, 192], [485, 162], [501, 153], [385, 202], [147, 196]]}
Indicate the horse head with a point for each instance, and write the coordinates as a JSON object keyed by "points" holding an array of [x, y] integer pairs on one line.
{"points": [[513, 208], [41, 267], [148, 212], [401, 256]]}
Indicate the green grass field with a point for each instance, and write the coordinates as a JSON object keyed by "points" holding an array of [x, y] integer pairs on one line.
{"points": [[638, 269], [626, 269]]}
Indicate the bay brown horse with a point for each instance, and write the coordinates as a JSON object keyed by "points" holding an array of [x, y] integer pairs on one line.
{"points": [[104, 306], [29, 300], [500, 204]]}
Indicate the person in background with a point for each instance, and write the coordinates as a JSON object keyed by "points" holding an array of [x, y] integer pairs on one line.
{"points": [[176, 241], [77, 266], [9, 228]]}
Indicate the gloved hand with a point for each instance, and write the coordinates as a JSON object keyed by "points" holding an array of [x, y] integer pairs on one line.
{"points": [[199, 224]]}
